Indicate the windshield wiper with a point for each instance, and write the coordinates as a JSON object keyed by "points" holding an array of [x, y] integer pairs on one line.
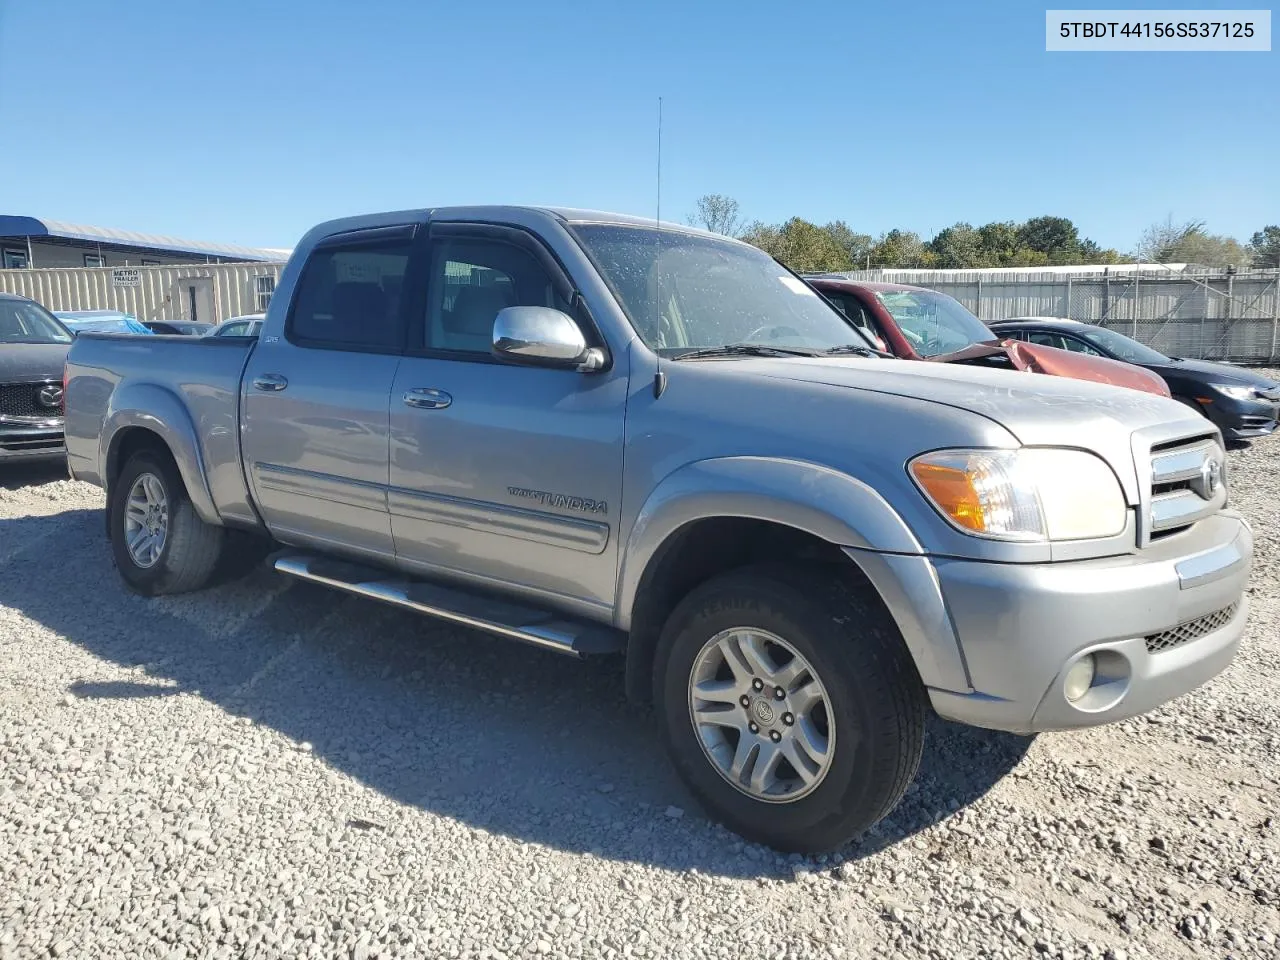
{"points": [[747, 350], [853, 349]]}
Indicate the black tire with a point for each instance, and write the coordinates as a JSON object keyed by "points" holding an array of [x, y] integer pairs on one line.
{"points": [[876, 697], [192, 548]]}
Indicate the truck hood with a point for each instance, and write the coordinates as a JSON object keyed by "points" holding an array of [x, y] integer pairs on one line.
{"points": [[1037, 410], [21, 362]]}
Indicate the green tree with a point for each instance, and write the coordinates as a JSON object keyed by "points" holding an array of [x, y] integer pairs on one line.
{"points": [[1055, 237], [900, 248], [1264, 246], [1090, 252], [717, 213], [1189, 242], [960, 246], [999, 242], [857, 245], [802, 246]]}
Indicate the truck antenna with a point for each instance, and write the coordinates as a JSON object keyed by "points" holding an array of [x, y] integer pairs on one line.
{"points": [[659, 378]]}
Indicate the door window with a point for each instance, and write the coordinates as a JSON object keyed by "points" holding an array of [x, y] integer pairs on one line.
{"points": [[348, 296], [471, 280], [1046, 339], [1079, 346], [858, 315]]}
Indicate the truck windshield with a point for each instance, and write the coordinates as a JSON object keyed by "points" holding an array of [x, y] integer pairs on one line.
{"points": [[933, 322], [24, 322], [684, 292]]}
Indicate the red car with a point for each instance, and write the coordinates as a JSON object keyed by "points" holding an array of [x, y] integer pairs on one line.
{"points": [[914, 323]]}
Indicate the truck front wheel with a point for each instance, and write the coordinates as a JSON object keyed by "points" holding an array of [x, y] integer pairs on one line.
{"points": [[158, 542], [790, 704]]}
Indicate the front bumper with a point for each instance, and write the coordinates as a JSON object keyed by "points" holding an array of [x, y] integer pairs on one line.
{"points": [[1159, 623], [31, 441], [1243, 419]]}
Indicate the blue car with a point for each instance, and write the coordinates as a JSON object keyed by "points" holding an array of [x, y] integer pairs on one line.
{"points": [[100, 321]]}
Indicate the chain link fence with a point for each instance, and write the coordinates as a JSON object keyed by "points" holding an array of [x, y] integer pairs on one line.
{"points": [[1207, 317]]}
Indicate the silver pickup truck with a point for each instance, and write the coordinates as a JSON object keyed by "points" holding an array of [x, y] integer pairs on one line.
{"points": [[597, 435]]}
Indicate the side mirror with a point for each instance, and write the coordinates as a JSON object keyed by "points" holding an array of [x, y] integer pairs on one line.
{"points": [[543, 336]]}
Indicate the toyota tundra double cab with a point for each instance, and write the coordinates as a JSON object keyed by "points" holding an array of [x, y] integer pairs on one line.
{"points": [[602, 435]]}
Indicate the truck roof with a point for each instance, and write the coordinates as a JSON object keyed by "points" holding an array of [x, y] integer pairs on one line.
{"points": [[507, 212]]}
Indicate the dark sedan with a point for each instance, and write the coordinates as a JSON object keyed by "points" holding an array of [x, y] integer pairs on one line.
{"points": [[33, 352], [181, 328], [1242, 403]]}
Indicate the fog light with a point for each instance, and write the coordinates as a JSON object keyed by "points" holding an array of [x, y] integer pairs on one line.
{"points": [[1079, 678]]}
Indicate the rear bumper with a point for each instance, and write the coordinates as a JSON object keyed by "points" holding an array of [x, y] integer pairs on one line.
{"points": [[31, 441], [1020, 628]]}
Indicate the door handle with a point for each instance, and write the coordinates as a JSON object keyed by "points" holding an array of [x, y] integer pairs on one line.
{"points": [[425, 398], [270, 382]]}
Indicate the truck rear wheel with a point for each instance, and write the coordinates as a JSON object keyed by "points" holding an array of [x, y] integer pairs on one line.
{"points": [[790, 704], [158, 542]]}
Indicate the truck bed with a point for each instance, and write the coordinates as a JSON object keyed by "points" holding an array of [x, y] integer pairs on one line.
{"points": [[198, 378]]}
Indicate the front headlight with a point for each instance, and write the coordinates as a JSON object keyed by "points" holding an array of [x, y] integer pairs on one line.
{"points": [[1031, 494], [1236, 391]]}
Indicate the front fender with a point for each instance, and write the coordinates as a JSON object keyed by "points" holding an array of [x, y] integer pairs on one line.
{"points": [[160, 411], [826, 503]]}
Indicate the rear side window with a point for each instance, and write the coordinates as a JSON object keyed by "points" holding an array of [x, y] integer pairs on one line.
{"points": [[349, 296]]}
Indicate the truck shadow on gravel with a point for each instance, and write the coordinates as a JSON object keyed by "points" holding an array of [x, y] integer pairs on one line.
{"points": [[503, 737]]}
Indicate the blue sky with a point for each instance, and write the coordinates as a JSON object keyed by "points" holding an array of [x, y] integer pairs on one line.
{"points": [[248, 122]]}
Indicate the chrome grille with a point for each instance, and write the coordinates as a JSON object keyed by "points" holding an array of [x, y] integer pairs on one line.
{"points": [[1190, 630], [1188, 483]]}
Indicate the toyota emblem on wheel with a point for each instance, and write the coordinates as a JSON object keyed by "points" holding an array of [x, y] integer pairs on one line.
{"points": [[50, 395]]}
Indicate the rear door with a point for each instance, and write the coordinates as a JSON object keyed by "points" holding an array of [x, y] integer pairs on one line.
{"points": [[503, 473], [314, 413]]}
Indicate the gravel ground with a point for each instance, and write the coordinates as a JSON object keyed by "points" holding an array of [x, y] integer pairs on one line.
{"points": [[269, 769]]}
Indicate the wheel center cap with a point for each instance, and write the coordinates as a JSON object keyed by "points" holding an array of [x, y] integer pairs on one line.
{"points": [[763, 710]]}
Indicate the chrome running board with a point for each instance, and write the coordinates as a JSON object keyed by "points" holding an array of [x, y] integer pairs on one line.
{"points": [[518, 621]]}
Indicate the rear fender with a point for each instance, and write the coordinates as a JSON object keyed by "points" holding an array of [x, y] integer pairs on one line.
{"points": [[160, 411]]}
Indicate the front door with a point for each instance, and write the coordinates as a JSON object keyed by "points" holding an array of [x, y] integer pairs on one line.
{"points": [[315, 400], [503, 474]]}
